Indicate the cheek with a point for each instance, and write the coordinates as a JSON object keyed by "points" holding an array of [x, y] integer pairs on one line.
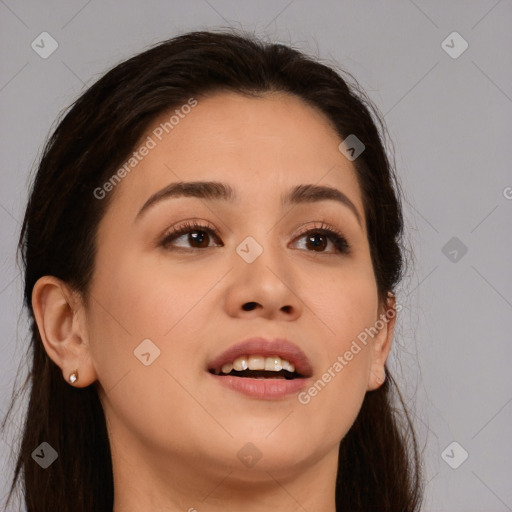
{"points": [[148, 299], [334, 398], [345, 303], [132, 302], [345, 308]]}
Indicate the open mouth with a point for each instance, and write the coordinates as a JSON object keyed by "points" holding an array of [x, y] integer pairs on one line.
{"points": [[262, 370], [257, 366], [261, 374]]}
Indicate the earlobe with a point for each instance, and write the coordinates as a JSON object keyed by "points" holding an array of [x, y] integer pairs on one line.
{"points": [[62, 330], [381, 344]]}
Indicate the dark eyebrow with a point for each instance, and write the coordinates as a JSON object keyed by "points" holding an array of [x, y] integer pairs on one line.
{"points": [[213, 190], [314, 193]]}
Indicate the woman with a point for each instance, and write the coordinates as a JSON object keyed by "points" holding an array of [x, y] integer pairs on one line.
{"points": [[211, 247]]}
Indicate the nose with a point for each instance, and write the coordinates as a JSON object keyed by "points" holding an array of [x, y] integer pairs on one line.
{"points": [[266, 288]]}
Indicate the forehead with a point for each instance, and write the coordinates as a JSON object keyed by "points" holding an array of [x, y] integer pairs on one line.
{"points": [[259, 145]]}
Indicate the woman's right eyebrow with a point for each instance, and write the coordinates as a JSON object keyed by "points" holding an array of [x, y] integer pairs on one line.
{"points": [[214, 190]]}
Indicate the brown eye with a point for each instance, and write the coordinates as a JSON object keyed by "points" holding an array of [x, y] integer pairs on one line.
{"points": [[317, 240], [198, 236], [201, 238], [195, 236]]}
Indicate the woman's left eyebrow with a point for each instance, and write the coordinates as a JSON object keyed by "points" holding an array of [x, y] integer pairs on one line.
{"points": [[213, 190]]}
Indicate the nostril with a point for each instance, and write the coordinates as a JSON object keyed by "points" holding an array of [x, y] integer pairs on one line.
{"points": [[249, 306]]}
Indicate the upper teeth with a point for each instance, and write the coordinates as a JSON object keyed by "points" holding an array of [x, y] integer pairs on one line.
{"points": [[271, 364]]}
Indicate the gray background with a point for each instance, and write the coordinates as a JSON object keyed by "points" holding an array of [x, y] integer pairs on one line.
{"points": [[450, 122]]}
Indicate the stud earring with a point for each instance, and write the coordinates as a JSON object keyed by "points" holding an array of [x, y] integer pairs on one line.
{"points": [[73, 377]]}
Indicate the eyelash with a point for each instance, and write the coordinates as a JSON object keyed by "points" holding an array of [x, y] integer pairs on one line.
{"points": [[339, 241]]}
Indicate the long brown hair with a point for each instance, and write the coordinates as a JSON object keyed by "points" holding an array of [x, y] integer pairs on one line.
{"points": [[379, 463]]}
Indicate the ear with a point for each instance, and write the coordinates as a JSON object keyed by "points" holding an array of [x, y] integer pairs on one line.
{"points": [[381, 343], [60, 318]]}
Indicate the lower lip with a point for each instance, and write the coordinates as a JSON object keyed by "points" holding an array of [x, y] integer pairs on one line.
{"points": [[263, 389]]}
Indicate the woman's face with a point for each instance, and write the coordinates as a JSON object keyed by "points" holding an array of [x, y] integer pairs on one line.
{"points": [[163, 308]]}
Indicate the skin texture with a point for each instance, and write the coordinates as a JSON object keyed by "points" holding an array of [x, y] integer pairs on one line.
{"points": [[174, 431]]}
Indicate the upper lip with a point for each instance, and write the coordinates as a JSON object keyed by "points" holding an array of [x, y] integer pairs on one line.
{"points": [[264, 347]]}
